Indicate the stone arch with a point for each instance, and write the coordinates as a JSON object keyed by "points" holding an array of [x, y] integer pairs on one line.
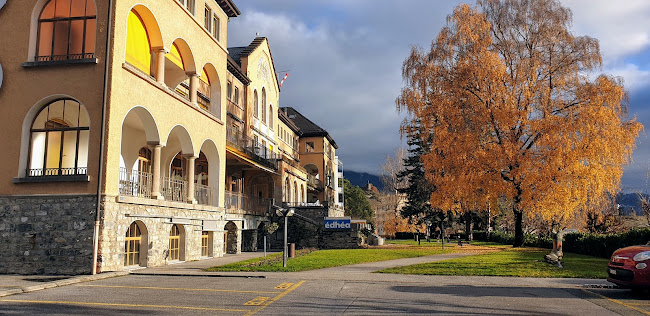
{"points": [[143, 244], [230, 241], [143, 39], [209, 149], [177, 239], [139, 129], [214, 81], [179, 63]]}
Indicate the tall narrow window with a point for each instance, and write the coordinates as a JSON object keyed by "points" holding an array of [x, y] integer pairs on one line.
{"points": [[256, 104], [132, 245], [229, 90], [208, 18], [174, 243], [263, 105], [67, 30], [215, 27], [205, 243], [236, 98], [271, 117], [59, 140]]}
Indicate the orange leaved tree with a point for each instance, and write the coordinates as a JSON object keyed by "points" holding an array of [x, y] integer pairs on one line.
{"points": [[509, 95]]}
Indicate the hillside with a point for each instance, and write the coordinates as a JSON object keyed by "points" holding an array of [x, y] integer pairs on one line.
{"points": [[361, 179]]}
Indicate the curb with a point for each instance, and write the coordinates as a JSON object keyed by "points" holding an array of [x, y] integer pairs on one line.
{"points": [[59, 283], [200, 275]]}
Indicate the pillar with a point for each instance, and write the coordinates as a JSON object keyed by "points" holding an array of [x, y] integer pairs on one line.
{"points": [[155, 190], [160, 65], [194, 88], [190, 180]]}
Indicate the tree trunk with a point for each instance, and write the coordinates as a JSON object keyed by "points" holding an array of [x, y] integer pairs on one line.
{"points": [[468, 227], [519, 229]]}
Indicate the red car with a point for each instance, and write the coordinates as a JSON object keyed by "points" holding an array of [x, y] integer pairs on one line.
{"points": [[628, 267]]}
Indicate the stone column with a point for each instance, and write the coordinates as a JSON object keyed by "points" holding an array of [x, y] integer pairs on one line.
{"points": [[155, 190], [194, 88], [190, 179], [160, 65]]}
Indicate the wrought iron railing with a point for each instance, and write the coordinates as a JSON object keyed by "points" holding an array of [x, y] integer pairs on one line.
{"points": [[255, 150], [65, 57], [204, 194], [135, 183], [56, 172], [248, 204], [173, 189]]}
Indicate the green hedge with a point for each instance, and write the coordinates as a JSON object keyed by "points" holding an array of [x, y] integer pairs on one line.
{"points": [[598, 245]]}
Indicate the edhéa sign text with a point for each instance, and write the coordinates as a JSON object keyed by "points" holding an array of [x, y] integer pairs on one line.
{"points": [[337, 223]]}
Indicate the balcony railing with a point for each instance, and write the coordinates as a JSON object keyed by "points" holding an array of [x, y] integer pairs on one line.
{"points": [[248, 204], [235, 110], [56, 172], [135, 183], [204, 194], [173, 189], [254, 149], [313, 182]]}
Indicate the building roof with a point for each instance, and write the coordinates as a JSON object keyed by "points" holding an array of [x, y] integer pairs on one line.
{"points": [[307, 127], [237, 53], [229, 7], [236, 71], [289, 122]]}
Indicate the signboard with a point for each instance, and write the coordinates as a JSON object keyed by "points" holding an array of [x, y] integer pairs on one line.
{"points": [[337, 223]]}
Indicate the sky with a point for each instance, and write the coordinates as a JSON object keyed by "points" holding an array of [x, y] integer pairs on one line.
{"points": [[344, 60]]}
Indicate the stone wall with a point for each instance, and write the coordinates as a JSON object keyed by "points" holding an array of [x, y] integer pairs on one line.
{"points": [[47, 234], [156, 222]]}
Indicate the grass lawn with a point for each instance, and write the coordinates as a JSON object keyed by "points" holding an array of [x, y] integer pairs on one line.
{"points": [[330, 258], [518, 262]]}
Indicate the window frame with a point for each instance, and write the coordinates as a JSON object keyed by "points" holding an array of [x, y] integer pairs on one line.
{"points": [[62, 130], [84, 56]]}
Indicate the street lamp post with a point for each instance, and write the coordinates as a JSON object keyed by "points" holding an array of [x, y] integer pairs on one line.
{"points": [[285, 212]]}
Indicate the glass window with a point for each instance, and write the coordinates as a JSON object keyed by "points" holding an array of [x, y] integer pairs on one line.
{"points": [[256, 104], [208, 18], [67, 30], [59, 140], [271, 117], [264, 105], [236, 98], [215, 27], [229, 90], [174, 243], [132, 245]]}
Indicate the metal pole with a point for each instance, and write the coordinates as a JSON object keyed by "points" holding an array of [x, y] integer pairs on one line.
{"points": [[284, 253], [264, 247]]}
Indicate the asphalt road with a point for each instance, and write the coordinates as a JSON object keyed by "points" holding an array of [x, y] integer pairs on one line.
{"points": [[350, 290], [387, 295]]}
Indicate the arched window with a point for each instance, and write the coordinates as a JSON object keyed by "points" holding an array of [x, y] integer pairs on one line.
{"points": [[271, 117], [138, 46], [59, 140], [132, 245], [256, 104], [67, 30], [263, 105]]}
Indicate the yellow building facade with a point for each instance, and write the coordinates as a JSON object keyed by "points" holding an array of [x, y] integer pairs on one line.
{"points": [[135, 137]]}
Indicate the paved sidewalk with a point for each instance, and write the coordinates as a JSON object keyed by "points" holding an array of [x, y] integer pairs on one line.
{"points": [[15, 284]]}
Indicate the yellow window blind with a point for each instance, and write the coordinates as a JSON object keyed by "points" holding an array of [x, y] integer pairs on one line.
{"points": [[175, 56], [138, 47]]}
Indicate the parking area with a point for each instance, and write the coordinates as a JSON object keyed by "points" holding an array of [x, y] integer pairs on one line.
{"points": [[622, 301], [153, 295]]}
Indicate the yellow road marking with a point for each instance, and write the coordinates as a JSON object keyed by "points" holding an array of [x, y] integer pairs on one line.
{"points": [[283, 286], [618, 302], [128, 305], [271, 301], [179, 289], [257, 301]]}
